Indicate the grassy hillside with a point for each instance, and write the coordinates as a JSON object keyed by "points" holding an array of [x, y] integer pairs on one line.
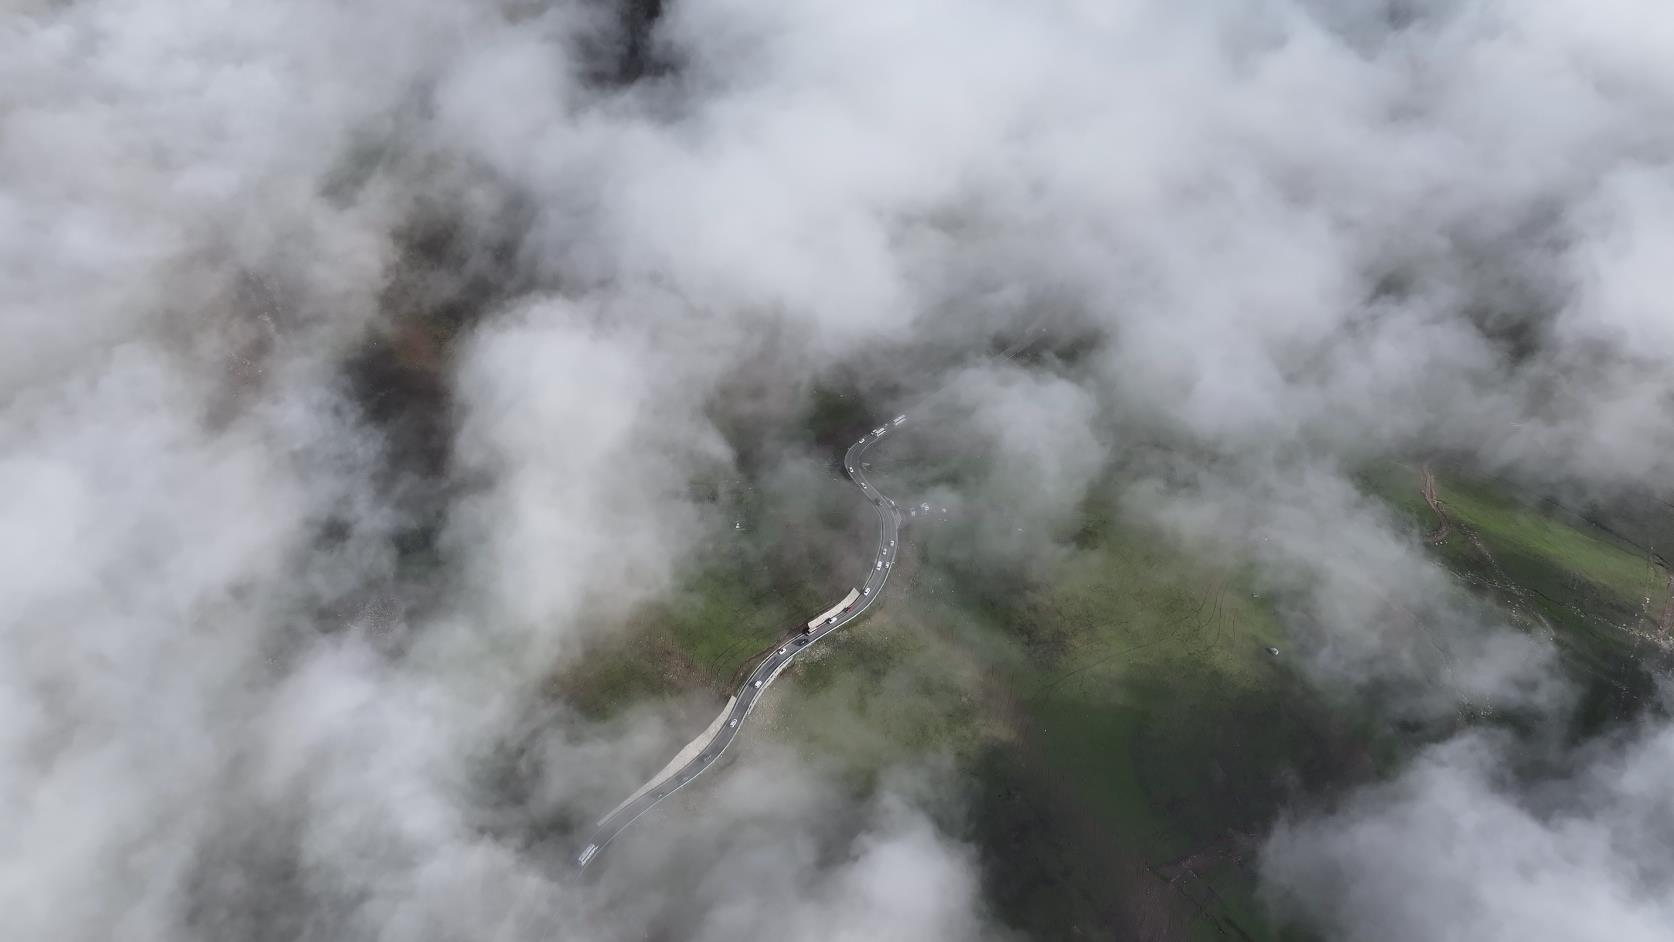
{"points": [[1127, 732], [1602, 600], [1128, 735], [1158, 737], [696, 639]]}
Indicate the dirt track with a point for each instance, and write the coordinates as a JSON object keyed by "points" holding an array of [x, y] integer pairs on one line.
{"points": [[1429, 491]]}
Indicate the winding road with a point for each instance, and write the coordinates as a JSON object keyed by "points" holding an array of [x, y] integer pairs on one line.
{"points": [[762, 676]]}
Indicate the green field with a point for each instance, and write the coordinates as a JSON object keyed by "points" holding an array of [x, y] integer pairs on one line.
{"points": [[1128, 736], [696, 639], [1558, 575], [1128, 732], [1163, 732]]}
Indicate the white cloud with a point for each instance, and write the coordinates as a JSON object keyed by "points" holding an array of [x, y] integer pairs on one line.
{"points": [[1456, 848], [202, 211]]}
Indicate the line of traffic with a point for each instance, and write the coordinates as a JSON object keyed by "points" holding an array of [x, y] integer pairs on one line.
{"points": [[852, 606]]}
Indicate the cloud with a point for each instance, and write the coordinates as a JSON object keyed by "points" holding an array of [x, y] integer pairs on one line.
{"points": [[1371, 613], [1258, 245], [586, 440], [1457, 847], [218, 721]]}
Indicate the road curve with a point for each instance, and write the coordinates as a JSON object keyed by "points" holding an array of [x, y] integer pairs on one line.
{"points": [[762, 675]]}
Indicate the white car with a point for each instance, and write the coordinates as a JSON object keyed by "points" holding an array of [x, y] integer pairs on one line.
{"points": [[758, 683], [832, 620], [732, 723], [866, 591], [891, 542], [781, 650], [879, 565]]}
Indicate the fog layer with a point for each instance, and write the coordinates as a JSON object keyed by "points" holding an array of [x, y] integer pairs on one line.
{"points": [[273, 636]]}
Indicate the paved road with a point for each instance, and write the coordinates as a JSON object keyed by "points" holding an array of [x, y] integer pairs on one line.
{"points": [[877, 575]]}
